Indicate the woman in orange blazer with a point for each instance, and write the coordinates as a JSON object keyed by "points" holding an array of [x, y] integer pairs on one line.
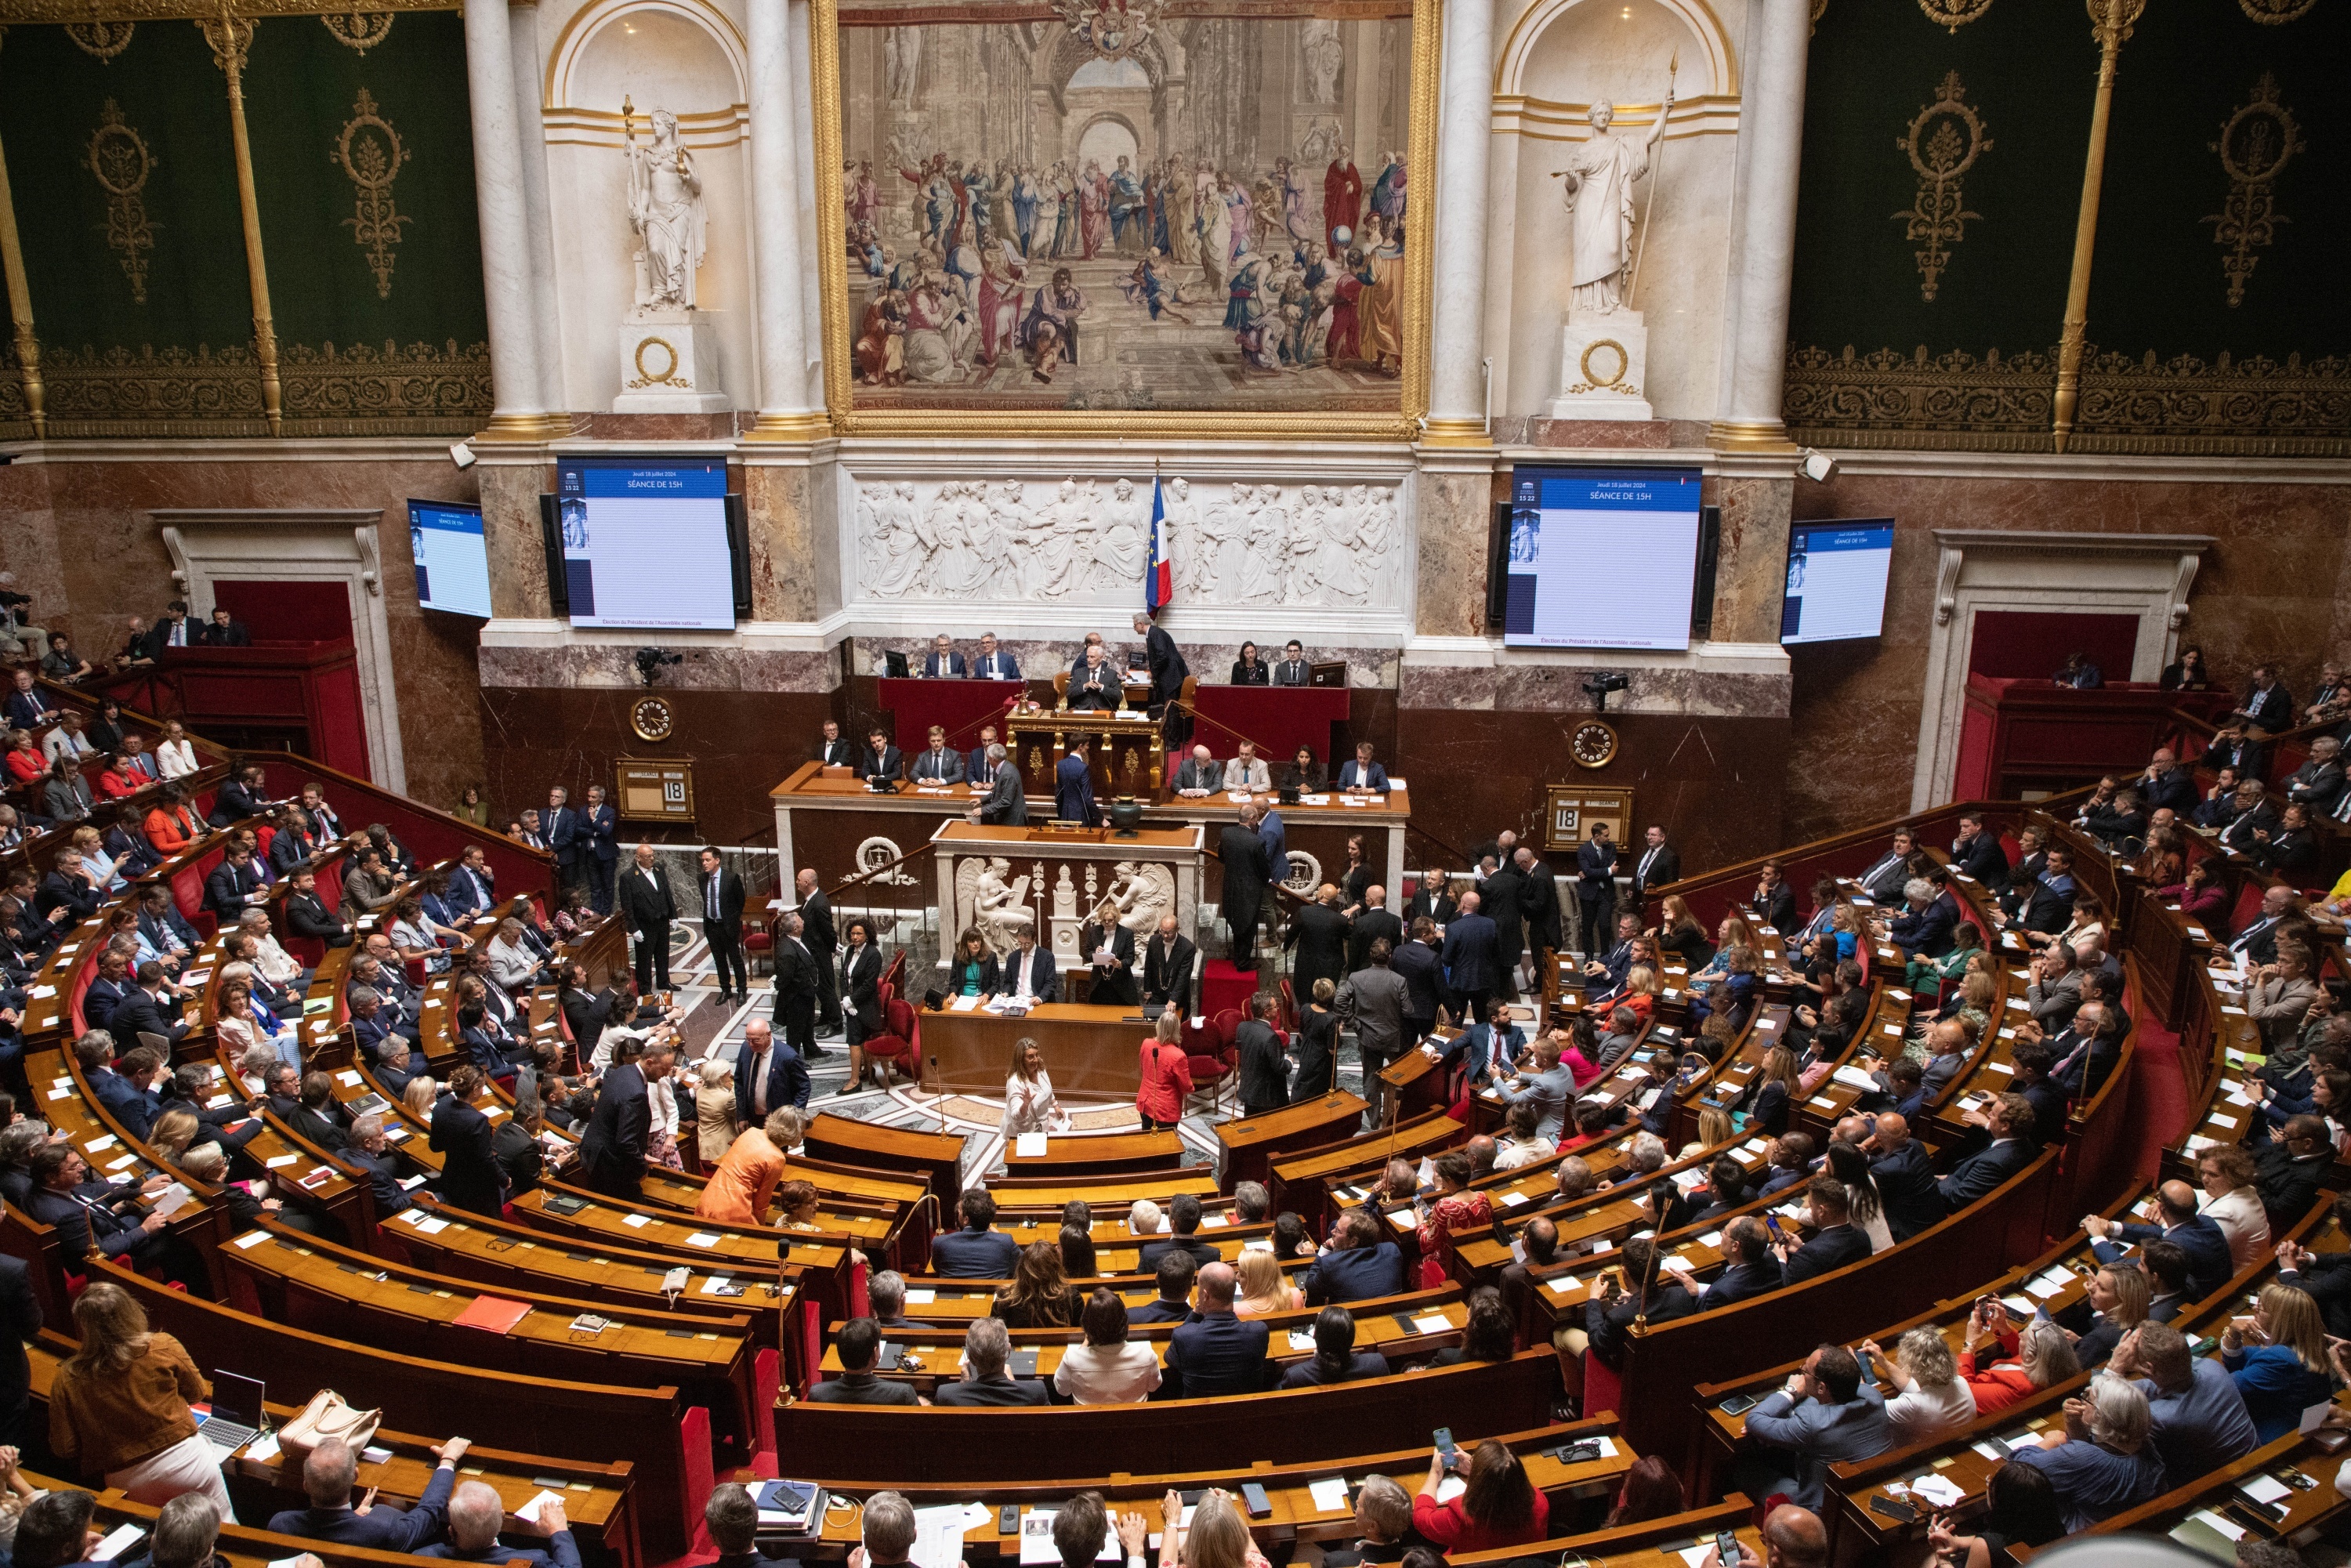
{"points": [[171, 826]]}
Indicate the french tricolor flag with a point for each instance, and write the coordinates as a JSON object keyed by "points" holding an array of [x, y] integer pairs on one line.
{"points": [[1159, 582]]}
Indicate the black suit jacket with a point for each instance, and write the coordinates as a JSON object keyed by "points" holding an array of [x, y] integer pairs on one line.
{"points": [[81, 1227], [1168, 973], [1539, 904], [137, 1013], [1369, 928], [797, 973], [842, 753], [861, 988], [730, 901], [890, 764], [615, 1144], [232, 635], [816, 927], [1318, 932], [1665, 865], [307, 915], [1247, 871], [471, 1177], [1831, 1248], [1982, 859], [1167, 666], [648, 909]]}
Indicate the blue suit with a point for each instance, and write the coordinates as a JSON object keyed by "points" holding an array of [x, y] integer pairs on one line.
{"points": [[382, 1527], [134, 1108], [1073, 790], [975, 1255], [955, 666], [1931, 932], [1742, 1282], [1979, 1173], [1350, 778], [1355, 1274], [997, 666], [1276, 844], [561, 1553], [1472, 954], [1792, 1446], [787, 1078], [1217, 1352], [2208, 1263]]}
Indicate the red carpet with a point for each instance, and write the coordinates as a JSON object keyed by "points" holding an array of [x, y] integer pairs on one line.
{"points": [[2159, 1107]]}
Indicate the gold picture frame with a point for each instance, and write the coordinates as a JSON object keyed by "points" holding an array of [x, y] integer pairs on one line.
{"points": [[833, 292], [646, 789], [1570, 810]]}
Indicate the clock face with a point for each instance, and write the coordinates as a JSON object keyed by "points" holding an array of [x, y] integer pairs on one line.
{"points": [[652, 720], [1593, 744]]}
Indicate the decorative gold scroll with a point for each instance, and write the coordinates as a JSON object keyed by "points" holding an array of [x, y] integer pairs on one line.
{"points": [[1943, 143], [369, 154], [1953, 14], [100, 40], [118, 159], [359, 31], [2256, 143]]}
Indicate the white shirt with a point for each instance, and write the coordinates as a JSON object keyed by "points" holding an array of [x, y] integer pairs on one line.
{"points": [[1030, 1108], [176, 758], [1020, 964], [2243, 1221], [1924, 1414], [663, 1101], [1108, 1375]]}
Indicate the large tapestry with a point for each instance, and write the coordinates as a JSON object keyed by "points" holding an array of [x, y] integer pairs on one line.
{"points": [[1137, 209]]}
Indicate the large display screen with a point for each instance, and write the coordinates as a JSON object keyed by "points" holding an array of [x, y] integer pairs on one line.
{"points": [[644, 543], [453, 565], [1836, 580], [1601, 557]]}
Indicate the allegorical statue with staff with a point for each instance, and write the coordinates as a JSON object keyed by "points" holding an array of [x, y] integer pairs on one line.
{"points": [[665, 210], [1600, 174]]}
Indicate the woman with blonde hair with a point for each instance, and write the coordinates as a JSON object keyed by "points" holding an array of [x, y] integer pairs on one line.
{"points": [[418, 1097], [1218, 1537], [713, 1109], [1930, 1397], [1715, 1127], [1775, 1091], [119, 1406], [2038, 1358], [739, 1190], [1677, 931], [2232, 1201], [1264, 1289], [102, 868], [1029, 1102], [2119, 1299], [171, 1134], [2278, 1358], [1640, 993]]}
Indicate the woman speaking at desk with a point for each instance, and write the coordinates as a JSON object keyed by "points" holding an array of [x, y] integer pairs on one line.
{"points": [[1029, 1104]]}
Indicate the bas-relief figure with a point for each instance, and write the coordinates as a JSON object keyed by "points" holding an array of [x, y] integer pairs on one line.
{"points": [[1334, 545], [995, 901], [1044, 229]]}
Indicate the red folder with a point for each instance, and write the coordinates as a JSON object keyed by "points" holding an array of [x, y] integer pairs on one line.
{"points": [[495, 1313]]}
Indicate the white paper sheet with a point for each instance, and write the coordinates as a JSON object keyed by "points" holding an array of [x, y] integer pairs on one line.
{"points": [[1330, 1495]]}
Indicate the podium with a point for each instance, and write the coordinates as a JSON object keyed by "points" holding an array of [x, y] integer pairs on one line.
{"points": [[1129, 755]]}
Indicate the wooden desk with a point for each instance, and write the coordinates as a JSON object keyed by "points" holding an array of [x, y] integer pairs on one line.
{"points": [[1252, 1144], [1088, 1050], [1115, 1154]]}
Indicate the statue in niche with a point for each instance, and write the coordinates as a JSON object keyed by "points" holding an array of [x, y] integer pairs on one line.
{"points": [[666, 212], [1600, 174]]}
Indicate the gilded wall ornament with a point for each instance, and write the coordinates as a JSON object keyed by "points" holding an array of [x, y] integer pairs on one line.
{"points": [[230, 38], [2273, 12], [1954, 14], [2256, 143], [1943, 143], [1820, 9], [359, 31], [100, 40], [369, 154], [118, 159]]}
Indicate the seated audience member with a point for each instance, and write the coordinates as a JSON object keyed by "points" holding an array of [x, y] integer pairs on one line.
{"points": [[2041, 1355], [1213, 1351], [2023, 1511], [1336, 1359], [1499, 1507], [1038, 1295], [1357, 1264], [976, 1251], [987, 1348], [2281, 1363], [476, 1516], [328, 1477], [2208, 1259], [731, 1518], [1184, 1225], [886, 1293], [1826, 1414], [1383, 1526], [2196, 1413], [1108, 1368], [53, 1530], [2010, 1151], [858, 1344], [1493, 1332], [1836, 1240], [1638, 1288], [2100, 1462], [2116, 1303], [888, 1530], [1930, 1397], [1750, 1268], [1083, 1529], [1263, 1285], [1173, 1303]]}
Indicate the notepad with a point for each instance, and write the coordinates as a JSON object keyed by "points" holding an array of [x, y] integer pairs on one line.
{"points": [[636, 1221], [1029, 1145], [1299, 1341], [1328, 1496], [920, 1298], [283, 1160], [701, 1239]]}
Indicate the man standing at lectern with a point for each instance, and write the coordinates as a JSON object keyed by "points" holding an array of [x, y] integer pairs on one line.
{"points": [[1074, 786], [1167, 672], [1006, 805]]}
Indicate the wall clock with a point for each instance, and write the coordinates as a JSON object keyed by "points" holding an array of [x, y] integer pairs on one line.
{"points": [[1593, 744], [652, 720]]}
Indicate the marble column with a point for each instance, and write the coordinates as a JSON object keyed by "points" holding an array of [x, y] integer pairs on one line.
{"points": [[520, 408], [785, 414], [539, 240], [1763, 262], [1457, 381]]}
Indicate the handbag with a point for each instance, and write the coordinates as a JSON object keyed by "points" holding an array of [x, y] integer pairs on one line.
{"points": [[328, 1418]]}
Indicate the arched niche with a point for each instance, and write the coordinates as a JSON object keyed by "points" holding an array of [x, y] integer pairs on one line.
{"points": [[1576, 51], [678, 55]]}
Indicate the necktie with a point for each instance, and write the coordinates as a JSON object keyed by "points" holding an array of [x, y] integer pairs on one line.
{"points": [[1021, 990], [179, 634], [711, 887], [759, 1085]]}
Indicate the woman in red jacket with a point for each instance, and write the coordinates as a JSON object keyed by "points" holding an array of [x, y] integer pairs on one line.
{"points": [[1166, 1078], [1499, 1506], [172, 827], [25, 760]]}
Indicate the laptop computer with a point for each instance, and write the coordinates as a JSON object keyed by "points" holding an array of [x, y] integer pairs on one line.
{"points": [[237, 1417]]}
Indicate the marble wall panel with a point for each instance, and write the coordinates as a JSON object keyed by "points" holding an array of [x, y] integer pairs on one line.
{"points": [[705, 667], [1752, 560], [509, 493]]}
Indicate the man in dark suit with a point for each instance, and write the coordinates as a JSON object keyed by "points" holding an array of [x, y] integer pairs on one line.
{"points": [[816, 911], [768, 1077], [1417, 963], [1472, 958], [880, 760], [224, 630], [1538, 901], [2267, 706], [1905, 1178], [1595, 882], [1361, 775], [564, 839], [613, 1148], [129, 1095], [2232, 749], [1976, 852], [1774, 901], [976, 768], [70, 888], [1094, 686], [1110, 982], [1318, 932], [1372, 922], [1291, 669], [722, 922], [2010, 1151], [796, 987], [1836, 1240], [88, 1214], [2318, 783], [20, 1320], [1658, 864], [175, 628], [987, 1348], [1497, 901], [29, 708], [976, 1251], [150, 1009], [306, 914], [938, 763], [1074, 786], [2208, 1263], [2086, 1051], [113, 985], [235, 886], [2165, 785], [943, 662], [1751, 1267], [600, 830], [2048, 907], [2289, 1169], [1029, 971], [1182, 1236], [247, 795], [1173, 1304], [1240, 849], [1884, 877], [1200, 775], [649, 910], [1213, 1351], [1170, 968], [1926, 928], [1167, 672], [859, 1345], [1358, 1263], [993, 664], [1006, 805], [837, 750], [328, 1477]]}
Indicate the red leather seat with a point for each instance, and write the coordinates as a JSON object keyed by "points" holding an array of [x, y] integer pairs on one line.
{"points": [[1215, 1063], [900, 1041], [1227, 1023]]}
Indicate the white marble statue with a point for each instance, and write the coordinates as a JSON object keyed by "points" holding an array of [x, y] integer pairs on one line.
{"points": [[998, 902], [1599, 178], [666, 212], [1139, 894]]}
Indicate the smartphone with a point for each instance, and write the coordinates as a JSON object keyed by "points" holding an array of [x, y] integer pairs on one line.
{"points": [[1008, 1520], [1772, 1219], [1253, 1496], [1736, 1404], [1894, 1508], [1726, 1549], [1445, 1448], [1403, 1323]]}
